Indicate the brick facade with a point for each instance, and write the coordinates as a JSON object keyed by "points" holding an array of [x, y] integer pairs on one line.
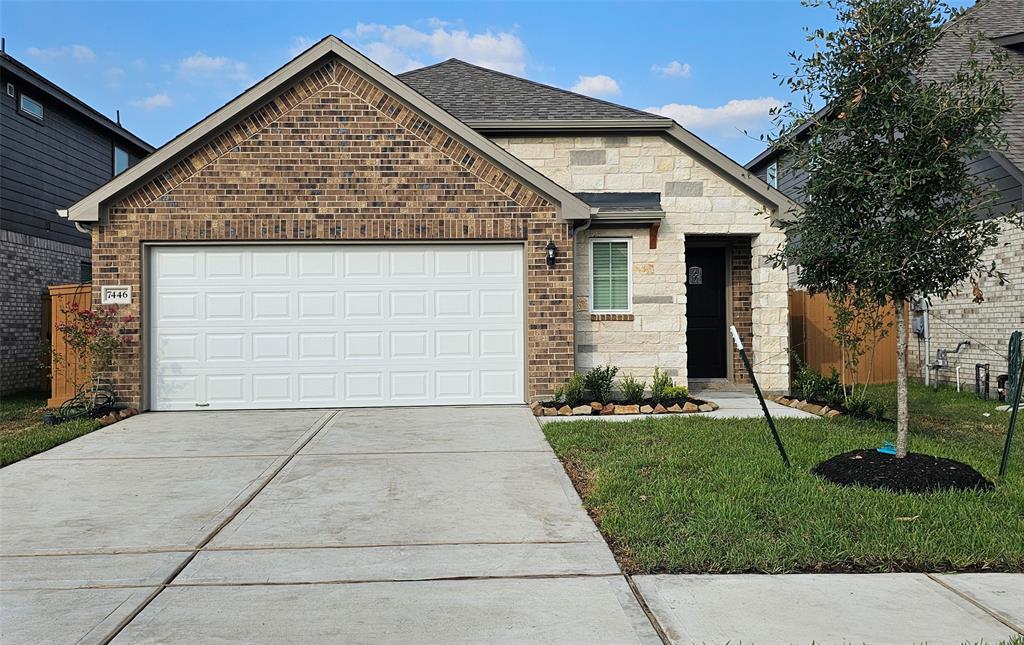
{"points": [[700, 203], [987, 325], [29, 265], [335, 158], [740, 310]]}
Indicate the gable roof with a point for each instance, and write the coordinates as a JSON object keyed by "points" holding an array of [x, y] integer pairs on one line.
{"points": [[88, 209], [1002, 23], [28, 75], [477, 96]]}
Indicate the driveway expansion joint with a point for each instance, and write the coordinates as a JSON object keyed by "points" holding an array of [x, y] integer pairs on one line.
{"points": [[314, 430]]}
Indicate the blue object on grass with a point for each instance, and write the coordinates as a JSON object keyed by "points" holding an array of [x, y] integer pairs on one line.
{"points": [[887, 448]]}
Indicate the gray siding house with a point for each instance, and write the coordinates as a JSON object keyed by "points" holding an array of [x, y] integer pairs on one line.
{"points": [[54, 150], [958, 318]]}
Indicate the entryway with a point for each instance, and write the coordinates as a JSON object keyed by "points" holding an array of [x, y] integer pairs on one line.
{"points": [[706, 312]]}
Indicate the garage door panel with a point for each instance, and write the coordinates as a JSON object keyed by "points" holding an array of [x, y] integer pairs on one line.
{"points": [[277, 326]]}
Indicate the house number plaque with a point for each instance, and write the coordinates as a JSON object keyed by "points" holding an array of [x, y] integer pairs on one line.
{"points": [[116, 295]]}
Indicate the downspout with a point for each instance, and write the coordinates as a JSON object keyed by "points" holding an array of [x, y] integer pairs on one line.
{"points": [[575, 232], [927, 344], [63, 213]]}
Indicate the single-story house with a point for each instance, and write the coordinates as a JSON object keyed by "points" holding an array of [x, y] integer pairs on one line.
{"points": [[947, 322], [340, 236]]}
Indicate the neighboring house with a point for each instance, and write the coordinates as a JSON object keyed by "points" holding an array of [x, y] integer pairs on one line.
{"points": [[987, 325], [339, 236], [55, 150]]}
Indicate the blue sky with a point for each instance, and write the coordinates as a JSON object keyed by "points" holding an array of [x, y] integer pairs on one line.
{"points": [[165, 66]]}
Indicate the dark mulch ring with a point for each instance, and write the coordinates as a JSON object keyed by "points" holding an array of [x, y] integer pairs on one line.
{"points": [[915, 473], [668, 403]]}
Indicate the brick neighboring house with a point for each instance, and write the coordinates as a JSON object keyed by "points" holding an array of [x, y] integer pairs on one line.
{"points": [[988, 325], [337, 235], [55, 150]]}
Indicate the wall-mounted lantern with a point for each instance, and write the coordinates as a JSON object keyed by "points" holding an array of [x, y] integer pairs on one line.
{"points": [[552, 252]]}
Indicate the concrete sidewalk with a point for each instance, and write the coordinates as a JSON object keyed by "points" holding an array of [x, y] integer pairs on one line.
{"points": [[836, 608]]}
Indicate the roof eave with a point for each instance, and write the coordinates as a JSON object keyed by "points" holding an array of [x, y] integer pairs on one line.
{"points": [[54, 91], [89, 208]]}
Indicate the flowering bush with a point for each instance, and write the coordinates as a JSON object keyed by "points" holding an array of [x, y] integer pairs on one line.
{"points": [[94, 336]]}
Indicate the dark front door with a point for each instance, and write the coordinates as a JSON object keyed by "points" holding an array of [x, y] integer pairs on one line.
{"points": [[705, 312]]}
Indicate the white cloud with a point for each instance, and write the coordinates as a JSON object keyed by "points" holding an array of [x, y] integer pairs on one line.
{"points": [[674, 69], [728, 119], [114, 76], [200, 66], [154, 102], [401, 47], [77, 53], [301, 44], [599, 85]]}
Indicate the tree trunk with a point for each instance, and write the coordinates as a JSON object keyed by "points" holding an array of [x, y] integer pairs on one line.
{"points": [[902, 416]]}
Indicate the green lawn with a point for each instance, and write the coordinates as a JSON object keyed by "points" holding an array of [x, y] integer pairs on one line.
{"points": [[691, 494], [22, 434]]}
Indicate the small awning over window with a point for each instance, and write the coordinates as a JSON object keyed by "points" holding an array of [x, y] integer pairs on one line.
{"points": [[624, 208]]}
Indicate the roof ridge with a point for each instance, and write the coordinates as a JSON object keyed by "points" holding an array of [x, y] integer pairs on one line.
{"points": [[534, 83]]}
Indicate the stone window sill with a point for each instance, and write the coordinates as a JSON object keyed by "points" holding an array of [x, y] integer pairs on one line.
{"points": [[608, 317]]}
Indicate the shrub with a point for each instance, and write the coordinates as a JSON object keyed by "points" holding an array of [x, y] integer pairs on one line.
{"points": [[571, 392], [677, 392], [660, 384], [632, 389], [810, 384], [599, 382], [858, 407]]}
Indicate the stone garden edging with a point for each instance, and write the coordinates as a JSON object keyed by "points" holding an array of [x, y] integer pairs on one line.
{"points": [[597, 409]]}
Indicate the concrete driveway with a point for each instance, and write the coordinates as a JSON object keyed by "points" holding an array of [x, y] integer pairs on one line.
{"points": [[384, 525]]}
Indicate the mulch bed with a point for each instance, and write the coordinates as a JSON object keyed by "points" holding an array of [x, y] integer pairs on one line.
{"points": [[915, 473]]}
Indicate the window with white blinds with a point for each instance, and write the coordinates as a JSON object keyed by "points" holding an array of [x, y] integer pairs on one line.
{"points": [[610, 275]]}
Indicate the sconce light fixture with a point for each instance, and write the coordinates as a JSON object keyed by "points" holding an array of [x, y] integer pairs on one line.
{"points": [[552, 251]]}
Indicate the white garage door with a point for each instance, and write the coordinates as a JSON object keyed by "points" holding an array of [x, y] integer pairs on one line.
{"points": [[294, 326]]}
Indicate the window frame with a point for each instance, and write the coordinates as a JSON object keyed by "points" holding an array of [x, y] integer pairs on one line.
{"points": [[113, 159], [629, 275], [21, 109], [771, 174]]}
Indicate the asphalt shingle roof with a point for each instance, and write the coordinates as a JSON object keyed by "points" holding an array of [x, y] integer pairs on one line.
{"points": [[471, 93], [990, 19]]}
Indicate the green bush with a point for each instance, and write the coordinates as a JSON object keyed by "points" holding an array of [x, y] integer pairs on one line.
{"points": [[632, 389], [810, 384], [660, 384], [677, 392], [599, 382], [571, 392]]}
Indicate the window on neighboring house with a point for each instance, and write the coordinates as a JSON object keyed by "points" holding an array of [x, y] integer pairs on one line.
{"points": [[772, 174], [30, 107], [120, 160], [610, 275], [85, 272]]}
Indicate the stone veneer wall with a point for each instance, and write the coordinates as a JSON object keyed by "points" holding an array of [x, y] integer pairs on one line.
{"points": [[28, 265], [334, 157], [697, 201], [987, 325]]}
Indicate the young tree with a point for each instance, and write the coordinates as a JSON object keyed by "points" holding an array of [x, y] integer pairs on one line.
{"points": [[891, 209]]}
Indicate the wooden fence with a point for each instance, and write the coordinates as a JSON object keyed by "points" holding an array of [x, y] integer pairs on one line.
{"points": [[66, 374], [810, 336]]}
